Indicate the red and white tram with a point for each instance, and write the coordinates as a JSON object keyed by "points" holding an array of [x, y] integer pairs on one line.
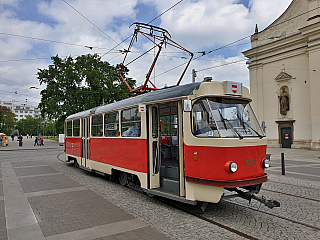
{"points": [[186, 143]]}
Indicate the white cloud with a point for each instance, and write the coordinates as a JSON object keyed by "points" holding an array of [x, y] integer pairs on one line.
{"points": [[196, 25]]}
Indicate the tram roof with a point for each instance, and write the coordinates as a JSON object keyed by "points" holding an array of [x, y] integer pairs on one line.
{"points": [[163, 94]]}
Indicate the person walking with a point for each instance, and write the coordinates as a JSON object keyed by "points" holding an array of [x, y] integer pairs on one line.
{"points": [[12, 137], [20, 140], [36, 141], [41, 141]]}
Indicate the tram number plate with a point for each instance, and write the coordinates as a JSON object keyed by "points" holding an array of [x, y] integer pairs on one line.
{"points": [[250, 162]]}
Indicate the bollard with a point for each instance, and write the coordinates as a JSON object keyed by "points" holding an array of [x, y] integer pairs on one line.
{"points": [[282, 164]]}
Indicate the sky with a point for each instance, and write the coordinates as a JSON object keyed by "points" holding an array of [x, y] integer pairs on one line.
{"points": [[31, 31]]}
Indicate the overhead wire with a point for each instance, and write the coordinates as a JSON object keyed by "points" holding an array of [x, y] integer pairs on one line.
{"points": [[47, 40], [230, 44], [89, 21], [147, 23]]}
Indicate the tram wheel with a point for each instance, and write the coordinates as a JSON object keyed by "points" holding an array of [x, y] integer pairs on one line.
{"points": [[123, 178]]}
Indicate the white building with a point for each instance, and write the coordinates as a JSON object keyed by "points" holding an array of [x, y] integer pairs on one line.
{"points": [[285, 74], [21, 110]]}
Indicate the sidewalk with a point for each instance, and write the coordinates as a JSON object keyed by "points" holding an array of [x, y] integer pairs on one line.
{"points": [[28, 144], [299, 163], [37, 202]]}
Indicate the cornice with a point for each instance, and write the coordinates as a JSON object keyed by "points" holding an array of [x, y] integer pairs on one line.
{"points": [[310, 29]]}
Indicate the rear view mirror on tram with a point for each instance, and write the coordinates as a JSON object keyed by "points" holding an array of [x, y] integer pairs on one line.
{"points": [[187, 105]]}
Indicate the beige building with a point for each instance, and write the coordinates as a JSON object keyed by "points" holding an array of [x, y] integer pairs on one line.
{"points": [[285, 76]]}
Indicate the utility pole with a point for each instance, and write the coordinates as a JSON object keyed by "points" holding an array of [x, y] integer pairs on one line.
{"points": [[194, 74]]}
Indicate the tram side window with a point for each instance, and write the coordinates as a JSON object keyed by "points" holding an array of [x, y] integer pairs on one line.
{"points": [[97, 126], [131, 122], [111, 124], [69, 129], [76, 128]]}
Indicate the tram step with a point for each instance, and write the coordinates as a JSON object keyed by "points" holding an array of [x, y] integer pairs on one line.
{"points": [[169, 171], [171, 184]]}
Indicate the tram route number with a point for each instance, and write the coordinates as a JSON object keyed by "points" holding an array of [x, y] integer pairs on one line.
{"points": [[250, 162]]}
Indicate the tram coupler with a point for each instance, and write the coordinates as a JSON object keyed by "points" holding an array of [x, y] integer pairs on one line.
{"points": [[269, 203]]}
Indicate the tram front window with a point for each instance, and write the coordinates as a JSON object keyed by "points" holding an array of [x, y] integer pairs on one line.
{"points": [[224, 118]]}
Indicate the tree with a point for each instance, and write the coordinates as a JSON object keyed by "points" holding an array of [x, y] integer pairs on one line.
{"points": [[74, 85], [7, 120], [30, 125]]}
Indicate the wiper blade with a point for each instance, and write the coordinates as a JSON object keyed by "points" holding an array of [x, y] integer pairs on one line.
{"points": [[226, 120], [246, 124]]}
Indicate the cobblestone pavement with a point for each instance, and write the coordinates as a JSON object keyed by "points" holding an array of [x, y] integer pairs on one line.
{"points": [[299, 200]]}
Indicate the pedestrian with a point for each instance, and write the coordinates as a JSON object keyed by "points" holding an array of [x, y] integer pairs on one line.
{"points": [[41, 141], [12, 137], [27, 135], [36, 141], [31, 135], [20, 140]]}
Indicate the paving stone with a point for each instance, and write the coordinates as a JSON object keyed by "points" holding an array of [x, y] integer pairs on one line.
{"points": [[34, 171], [27, 163], [43, 183], [80, 210]]}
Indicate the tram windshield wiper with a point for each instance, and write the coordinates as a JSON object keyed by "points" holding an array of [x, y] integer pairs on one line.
{"points": [[244, 124], [224, 120]]}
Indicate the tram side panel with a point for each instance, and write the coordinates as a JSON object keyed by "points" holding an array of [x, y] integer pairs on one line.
{"points": [[211, 162], [121, 152], [73, 146]]}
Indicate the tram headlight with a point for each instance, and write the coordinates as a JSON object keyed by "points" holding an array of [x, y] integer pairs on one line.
{"points": [[233, 167], [230, 167], [266, 163]]}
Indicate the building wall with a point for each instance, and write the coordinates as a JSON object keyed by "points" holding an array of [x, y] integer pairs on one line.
{"points": [[286, 55], [21, 110]]}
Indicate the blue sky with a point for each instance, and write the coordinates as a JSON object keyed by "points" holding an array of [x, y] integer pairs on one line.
{"points": [[197, 25]]}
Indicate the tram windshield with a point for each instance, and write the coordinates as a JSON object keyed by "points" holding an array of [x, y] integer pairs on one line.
{"points": [[224, 118]]}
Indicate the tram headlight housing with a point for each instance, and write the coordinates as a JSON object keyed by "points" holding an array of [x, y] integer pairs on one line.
{"points": [[230, 167], [266, 163]]}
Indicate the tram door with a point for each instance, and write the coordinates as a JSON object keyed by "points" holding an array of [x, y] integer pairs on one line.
{"points": [[85, 153], [154, 147], [165, 134]]}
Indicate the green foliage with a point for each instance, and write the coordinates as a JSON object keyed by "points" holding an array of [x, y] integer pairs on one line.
{"points": [[7, 120], [74, 85], [30, 125], [36, 126]]}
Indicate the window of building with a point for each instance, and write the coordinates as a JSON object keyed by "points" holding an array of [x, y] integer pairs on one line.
{"points": [[21, 111], [17, 107], [76, 128], [21, 116], [69, 129], [16, 115], [111, 124], [30, 111], [16, 111], [97, 125], [26, 111], [27, 108], [131, 122]]}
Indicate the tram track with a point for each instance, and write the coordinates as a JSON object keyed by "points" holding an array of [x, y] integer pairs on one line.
{"points": [[274, 215], [292, 195], [198, 215], [296, 185]]}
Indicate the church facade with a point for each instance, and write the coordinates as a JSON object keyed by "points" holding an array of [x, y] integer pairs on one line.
{"points": [[285, 76]]}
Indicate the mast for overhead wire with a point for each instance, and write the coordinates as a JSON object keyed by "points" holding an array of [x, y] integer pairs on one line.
{"points": [[159, 37]]}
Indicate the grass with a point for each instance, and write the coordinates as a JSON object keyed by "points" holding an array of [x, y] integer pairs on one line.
{"points": [[56, 138]]}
